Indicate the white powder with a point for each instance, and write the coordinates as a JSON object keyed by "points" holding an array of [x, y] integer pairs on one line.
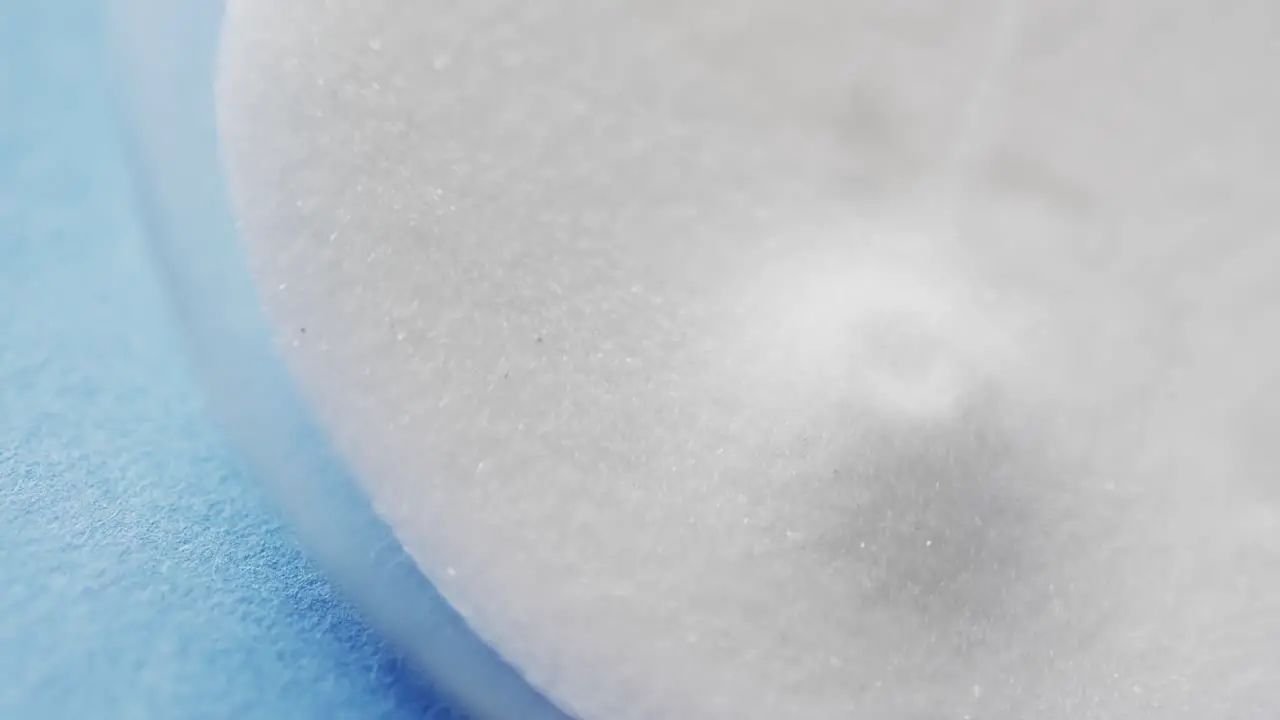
{"points": [[643, 327]]}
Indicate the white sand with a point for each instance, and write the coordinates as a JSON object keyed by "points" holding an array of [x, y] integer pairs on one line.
{"points": [[797, 360]]}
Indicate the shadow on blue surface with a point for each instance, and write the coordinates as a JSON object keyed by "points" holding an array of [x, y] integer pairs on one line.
{"points": [[142, 572]]}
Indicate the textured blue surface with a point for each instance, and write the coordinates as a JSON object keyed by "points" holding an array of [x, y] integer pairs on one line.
{"points": [[142, 574]]}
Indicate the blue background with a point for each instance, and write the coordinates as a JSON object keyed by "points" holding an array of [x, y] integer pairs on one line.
{"points": [[142, 572]]}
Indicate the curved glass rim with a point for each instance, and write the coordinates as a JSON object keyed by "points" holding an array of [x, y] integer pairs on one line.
{"points": [[164, 71]]}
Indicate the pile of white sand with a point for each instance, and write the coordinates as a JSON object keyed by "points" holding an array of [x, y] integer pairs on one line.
{"points": [[796, 359]]}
